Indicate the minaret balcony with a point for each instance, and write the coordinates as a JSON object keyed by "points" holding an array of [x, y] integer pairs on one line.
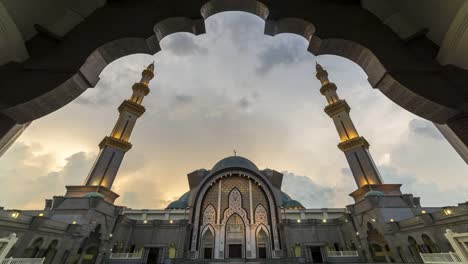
{"points": [[353, 143], [132, 107], [141, 87], [114, 142], [337, 107], [327, 87]]}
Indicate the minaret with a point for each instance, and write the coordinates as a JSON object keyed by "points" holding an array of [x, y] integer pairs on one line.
{"points": [[355, 147], [114, 147]]}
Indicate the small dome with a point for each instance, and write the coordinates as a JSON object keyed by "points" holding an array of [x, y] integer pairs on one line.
{"points": [[181, 203], [374, 193], [94, 194], [288, 203], [293, 204], [234, 162]]}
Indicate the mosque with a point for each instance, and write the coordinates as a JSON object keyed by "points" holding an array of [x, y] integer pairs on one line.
{"points": [[233, 211]]}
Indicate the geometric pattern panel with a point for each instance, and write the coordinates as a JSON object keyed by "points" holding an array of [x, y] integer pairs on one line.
{"points": [[235, 207], [209, 215], [261, 215]]}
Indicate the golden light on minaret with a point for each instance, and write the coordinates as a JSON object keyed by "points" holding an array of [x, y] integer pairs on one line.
{"points": [[114, 146], [354, 146]]}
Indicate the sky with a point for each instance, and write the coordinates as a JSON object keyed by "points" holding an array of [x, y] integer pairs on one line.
{"points": [[233, 88]]}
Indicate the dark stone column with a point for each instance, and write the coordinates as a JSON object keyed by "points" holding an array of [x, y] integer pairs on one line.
{"points": [[459, 125]]}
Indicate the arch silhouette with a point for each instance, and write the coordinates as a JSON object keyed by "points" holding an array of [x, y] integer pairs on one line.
{"points": [[88, 74], [196, 200], [207, 240], [33, 249], [262, 239], [227, 238]]}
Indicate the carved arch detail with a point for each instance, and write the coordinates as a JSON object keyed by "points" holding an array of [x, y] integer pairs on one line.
{"points": [[235, 207]]}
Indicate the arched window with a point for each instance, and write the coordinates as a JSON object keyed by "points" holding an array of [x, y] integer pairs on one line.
{"points": [[429, 245], [50, 252], [400, 254], [261, 215], [209, 215], [33, 250], [414, 249]]}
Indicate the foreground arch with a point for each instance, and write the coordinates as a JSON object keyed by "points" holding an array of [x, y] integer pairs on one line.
{"points": [[405, 70]]}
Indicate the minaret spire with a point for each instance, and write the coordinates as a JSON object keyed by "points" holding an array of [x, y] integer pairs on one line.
{"points": [[114, 146], [355, 147]]}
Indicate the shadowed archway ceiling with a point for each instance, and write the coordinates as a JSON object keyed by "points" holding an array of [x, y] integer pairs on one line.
{"points": [[59, 70]]}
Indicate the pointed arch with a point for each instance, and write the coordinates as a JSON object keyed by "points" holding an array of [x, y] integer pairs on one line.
{"points": [[207, 242], [50, 252], [209, 215], [235, 207], [429, 244], [33, 249], [263, 242], [261, 214], [235, 236]]}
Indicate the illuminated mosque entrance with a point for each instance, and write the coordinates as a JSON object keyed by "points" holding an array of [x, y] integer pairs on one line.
{"points": [[235, 237]]}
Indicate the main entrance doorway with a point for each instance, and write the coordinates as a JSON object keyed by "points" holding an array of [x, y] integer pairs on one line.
{"points": [[153, 256], [316, 254], [235, 237], [235, 251]]}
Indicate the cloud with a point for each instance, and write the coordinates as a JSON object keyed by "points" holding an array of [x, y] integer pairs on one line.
{"points": [[308, 192], [183, 99], [283, 52], [424, 128], [35, 177], [244, 103], [431, 194], [115, 83], [182, 44], [203, 105]]}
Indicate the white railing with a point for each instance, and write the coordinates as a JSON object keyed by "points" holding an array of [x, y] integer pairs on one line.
{"points": [[440, 258], [137, 255], [6, 243], [23, 261], [343, 254]]}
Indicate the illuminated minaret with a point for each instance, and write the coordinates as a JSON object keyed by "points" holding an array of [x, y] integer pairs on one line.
{"points": [[355, 147], [114, 147]]}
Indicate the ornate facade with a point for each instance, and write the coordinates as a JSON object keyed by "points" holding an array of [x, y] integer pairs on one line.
{"points": [[232, 211]]}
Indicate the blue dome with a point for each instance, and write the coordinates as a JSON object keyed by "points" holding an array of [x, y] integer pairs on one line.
{"points": [[288, 203], [181, 203], [374, 193], [234, 162]]}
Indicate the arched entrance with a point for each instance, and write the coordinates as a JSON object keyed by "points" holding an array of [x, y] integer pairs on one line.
{"points": [[235, 237], [378, 247], [207, 244], [33, 250], [51, 251], [263, 243], [414, 249], [429, 245]]}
